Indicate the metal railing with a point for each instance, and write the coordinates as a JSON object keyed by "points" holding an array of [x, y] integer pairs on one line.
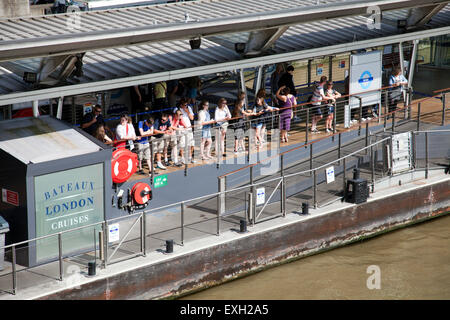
{"points": [[303, 116], [285, 189]]}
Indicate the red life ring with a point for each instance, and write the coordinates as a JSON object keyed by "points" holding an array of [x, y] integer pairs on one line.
{"points": [[141, 193], [124, 164]]}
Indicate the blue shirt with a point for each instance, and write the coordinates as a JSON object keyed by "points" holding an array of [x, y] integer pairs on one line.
{"points": [[145, 127]]}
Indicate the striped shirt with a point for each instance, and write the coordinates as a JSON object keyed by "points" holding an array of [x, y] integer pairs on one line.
{"points": [[317, 95]]}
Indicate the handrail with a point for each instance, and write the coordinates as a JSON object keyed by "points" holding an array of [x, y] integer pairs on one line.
{"points": [[243, 117], [326, 137], [441, 90], [211, 195]]}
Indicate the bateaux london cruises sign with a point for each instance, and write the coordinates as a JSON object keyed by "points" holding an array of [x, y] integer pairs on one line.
{"points": [[66, 200]]}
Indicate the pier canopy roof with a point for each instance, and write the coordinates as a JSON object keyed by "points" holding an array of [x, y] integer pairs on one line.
{"points": [[87, 31], [128, 65], [36, 140]]}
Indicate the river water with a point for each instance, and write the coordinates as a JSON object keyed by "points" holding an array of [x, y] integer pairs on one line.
{"points": [[409, 263]]}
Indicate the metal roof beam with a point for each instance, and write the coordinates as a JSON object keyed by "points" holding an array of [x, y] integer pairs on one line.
{"points": [[421, 16], [81, 41], [110, 84], [260, 41]]}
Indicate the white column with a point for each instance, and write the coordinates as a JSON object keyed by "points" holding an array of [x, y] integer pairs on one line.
{"points": [[36, 108], [60, 106], [258, 79], [402, 58], [244, 88], [412, 64]]}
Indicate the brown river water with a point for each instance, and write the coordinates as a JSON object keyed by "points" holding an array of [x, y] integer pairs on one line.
{"points": [[408, 263]]}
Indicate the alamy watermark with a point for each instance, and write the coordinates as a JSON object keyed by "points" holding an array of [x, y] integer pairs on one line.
{"points": [[374, 280], [73, 22], [374, 20]]}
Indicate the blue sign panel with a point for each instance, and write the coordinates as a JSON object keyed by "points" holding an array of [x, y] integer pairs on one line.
{"points": [[365, 80]]}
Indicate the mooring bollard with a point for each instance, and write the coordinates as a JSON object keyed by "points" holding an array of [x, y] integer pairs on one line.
{"points": [[242, 226], [91, 268], [169, 246], [305, 208]]}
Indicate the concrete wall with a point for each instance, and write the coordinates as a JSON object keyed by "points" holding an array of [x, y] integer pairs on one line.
{"points": [[14, 8], [257, 251]]}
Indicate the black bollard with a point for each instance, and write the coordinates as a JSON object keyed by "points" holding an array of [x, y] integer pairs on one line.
{"points": [[305, 208], [91, 268], [169, 246], [243, 226], [356, 174]]}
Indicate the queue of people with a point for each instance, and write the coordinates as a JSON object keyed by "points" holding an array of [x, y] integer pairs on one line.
{"points": [[170, 131]]}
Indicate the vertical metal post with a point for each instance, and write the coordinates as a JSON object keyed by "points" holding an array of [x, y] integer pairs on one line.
{"points": [[218, 214], [372, 164], [310, 157], [187, 151], [250, 214], [249, 144], [218, 147], [282, 164], [334, 119], [367, 136], [283, 196], [105, 243], [152, 159], [307, 125], [309, 72], [401, 55], [282, 184], [14, 271], [243, 87], [220, 201], [418, 117], [258, 78], [253, 206], [74, 112], [386, 106], [343, 178], [393, 121], [360, 115], [143, 234], [339, 146], [391, 158], [330, 68], [315, 189], [182, 223], [251, 177], [412, 63], [426, 155], [60, 256], [409, 104], [101, 240], [443, 109]]}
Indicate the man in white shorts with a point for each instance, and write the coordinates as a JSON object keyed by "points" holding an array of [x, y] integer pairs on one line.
{"points": [[188, 116], [145, 129]]}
